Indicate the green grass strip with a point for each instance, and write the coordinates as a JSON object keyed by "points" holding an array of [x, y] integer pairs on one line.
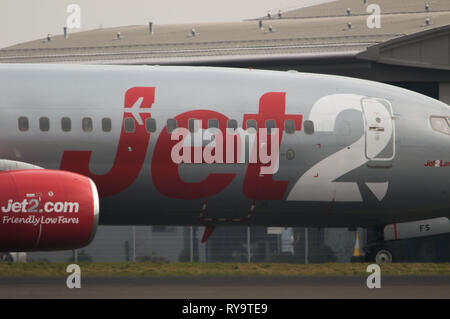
{"points": [[138, 269]]}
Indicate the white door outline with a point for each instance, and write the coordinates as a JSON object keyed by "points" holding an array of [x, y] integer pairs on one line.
{"points": [[378, 133]]}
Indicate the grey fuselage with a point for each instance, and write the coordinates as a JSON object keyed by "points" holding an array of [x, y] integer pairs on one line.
{"points": [[348, 171]]}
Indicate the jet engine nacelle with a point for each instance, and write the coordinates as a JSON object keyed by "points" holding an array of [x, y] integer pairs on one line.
{"points": [[419, 228], [46, 210]]}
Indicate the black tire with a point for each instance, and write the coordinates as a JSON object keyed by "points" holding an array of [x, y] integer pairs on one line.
{"points": [[6, 257], [383, 256], [379, 255]]}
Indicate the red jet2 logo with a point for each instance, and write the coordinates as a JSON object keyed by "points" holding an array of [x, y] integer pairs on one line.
{"points": [[132, 149]]}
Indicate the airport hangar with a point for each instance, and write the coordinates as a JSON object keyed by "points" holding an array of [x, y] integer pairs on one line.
{"points": [[411, 49]]}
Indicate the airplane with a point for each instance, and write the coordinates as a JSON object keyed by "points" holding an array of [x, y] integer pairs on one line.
{"points": [[88, 145]]}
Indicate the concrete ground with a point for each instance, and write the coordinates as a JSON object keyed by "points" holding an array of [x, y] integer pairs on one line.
{"points": [[228, 287]]}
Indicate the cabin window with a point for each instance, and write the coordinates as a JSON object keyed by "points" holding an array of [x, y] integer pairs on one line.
{"points": [[171, 125], [193, 125], [86, 124], [289, 126], [129, 125], [66, 124], [106, 124], [213, 123], [23, 124], [150, 125], [232, 124], [270, 124], [44, 124], [251, 123], [308, 127]]}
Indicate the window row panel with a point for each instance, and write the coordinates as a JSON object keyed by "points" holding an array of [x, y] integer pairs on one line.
{"points": [[87, 125], [289, 125], [66, 124]]}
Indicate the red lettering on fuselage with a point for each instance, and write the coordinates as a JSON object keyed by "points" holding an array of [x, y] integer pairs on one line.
{"points": [[130, 153], [165, 173], [132, 148]]}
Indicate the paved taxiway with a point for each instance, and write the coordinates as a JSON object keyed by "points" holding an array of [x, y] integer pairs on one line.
{"points": [[227, 287]]}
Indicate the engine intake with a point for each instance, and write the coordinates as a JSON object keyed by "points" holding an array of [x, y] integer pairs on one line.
{"points": [[47, 210]]}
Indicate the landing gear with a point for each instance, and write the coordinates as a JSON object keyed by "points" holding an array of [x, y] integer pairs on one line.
{"points": [[376, 250]]}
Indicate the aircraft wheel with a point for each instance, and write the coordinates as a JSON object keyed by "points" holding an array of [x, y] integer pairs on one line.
{"points": [[383, 256], [5, 257]]}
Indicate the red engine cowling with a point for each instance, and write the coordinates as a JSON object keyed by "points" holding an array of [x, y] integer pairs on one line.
{"points": [[46, 210]]}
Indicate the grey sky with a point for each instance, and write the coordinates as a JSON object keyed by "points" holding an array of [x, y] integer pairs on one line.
{"points": [[25, 20]]}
